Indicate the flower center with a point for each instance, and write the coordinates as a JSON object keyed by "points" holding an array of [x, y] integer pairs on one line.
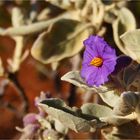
{"points": [[96, 61]]}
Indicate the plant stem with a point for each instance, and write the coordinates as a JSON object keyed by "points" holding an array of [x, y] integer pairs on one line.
{"points": [[13, 78]]}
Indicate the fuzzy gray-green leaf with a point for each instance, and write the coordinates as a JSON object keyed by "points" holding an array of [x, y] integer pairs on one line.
{"points": [[131, 41], [118, 120], [106, 92], [68, 117], [127, 103], [64, 40], [125, 22], [96, 110]]}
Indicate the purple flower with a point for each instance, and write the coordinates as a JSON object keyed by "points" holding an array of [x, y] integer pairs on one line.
{"points": [[30, 118], [99, 61]]}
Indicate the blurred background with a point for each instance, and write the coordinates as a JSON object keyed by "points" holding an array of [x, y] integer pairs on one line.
{"points": [[33, 76]]}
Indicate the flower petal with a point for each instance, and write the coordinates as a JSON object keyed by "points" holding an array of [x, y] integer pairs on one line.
{"points": [[102, 76], [86, 71], [88, 56], [95, 46], [109, 65], [91, 80]]}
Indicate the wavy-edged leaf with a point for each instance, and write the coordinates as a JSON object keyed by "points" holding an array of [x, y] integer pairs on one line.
{"points": [[76, 121], [96, 110], [38, 27], [107, 93], [110, 97], [131, 41], [105, 114], [60, 127], [118, 120], [64, 40], [127, 103], [125, 22]]}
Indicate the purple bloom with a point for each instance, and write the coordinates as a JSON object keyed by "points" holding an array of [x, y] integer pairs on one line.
{"points": [[30, 119], [99, 61]]}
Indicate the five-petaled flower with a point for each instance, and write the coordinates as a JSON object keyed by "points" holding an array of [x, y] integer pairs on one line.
{"points": [[99, 61]]}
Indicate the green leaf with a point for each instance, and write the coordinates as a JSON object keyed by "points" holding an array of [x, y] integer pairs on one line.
{"points": [[106, 92], [28, 29], [110, 97], [105, 114], [60, 127], [17, 17], [131, 41], [96, 110], [127, 103], [118, 120], [64, 40], [64, 4], [38, 27], [110, 16], [75, 78], [129, 75], [125, 22], [74, 120]]}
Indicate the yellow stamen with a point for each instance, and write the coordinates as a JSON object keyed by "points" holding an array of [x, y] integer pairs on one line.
{"points": [[96, 61]]}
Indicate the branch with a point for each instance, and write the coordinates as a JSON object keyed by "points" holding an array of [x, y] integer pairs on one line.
{"points": [[13, 78]]}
